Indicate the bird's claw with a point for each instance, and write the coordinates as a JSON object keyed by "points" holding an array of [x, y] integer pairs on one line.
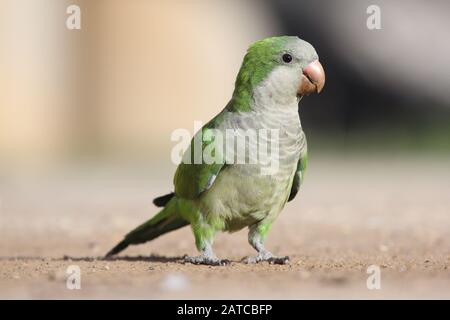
{"points": [[266, 257], [206, 260]]}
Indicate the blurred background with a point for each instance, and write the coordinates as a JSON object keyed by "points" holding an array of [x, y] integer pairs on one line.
{"points": [[86, 117], [139, 69]]}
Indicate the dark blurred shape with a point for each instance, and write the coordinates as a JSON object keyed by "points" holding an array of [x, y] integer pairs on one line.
{"points": [[376, 79]]}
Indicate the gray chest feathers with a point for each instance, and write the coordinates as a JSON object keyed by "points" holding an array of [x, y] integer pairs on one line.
{"points": [[269, 142]]}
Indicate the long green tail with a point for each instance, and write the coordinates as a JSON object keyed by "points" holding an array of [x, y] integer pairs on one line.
{"points": [[164, 221]]}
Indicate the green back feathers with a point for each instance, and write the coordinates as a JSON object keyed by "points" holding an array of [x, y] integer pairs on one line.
{"points": [[260, 60], [192, 179]]}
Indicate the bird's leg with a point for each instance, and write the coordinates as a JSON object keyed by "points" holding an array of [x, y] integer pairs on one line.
{"points": [[206, 257], [204, 238], [256, 236]]}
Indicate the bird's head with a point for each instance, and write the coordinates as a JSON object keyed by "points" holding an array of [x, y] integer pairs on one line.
{"points": [[282, 67]]}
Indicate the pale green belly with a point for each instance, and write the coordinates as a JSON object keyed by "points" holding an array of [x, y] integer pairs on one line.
{"points": [[241, 196]]}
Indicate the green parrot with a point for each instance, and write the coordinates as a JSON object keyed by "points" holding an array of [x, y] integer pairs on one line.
{"points": [[227, 195]]}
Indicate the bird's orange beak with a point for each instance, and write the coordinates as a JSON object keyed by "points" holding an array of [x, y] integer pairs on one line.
{"points": [[313, 79]]}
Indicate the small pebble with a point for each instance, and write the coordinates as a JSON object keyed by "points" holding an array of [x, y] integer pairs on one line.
{"points": [[402, 269], [175, 282]]}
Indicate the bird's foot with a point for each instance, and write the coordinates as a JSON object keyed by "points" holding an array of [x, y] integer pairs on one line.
{"points": [[268, 257], [206, 260]]}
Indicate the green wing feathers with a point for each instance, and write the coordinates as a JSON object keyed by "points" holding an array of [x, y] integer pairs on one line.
{"points": [[194, 175], [190, 181], [299, 176]]}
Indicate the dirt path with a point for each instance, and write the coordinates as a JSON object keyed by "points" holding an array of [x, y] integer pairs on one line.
{"points": [[393, 214]]}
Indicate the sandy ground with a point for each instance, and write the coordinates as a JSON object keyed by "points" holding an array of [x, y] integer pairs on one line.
{"points": [[351, 213]]}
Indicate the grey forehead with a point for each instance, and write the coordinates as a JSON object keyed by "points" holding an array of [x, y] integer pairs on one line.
{"points": [[301, 49]]}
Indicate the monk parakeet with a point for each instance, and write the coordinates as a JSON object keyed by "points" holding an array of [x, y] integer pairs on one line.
{"points": [[227, 195]]}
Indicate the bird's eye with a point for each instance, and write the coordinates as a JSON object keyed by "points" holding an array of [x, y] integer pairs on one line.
{"points": [[287, 57]]}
